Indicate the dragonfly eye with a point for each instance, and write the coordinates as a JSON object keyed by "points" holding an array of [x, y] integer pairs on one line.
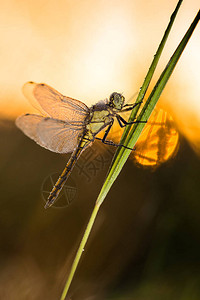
{"points": [[116, 101]]}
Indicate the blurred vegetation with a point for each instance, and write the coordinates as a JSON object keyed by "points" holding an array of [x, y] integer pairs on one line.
{"points": [[141, 247]]}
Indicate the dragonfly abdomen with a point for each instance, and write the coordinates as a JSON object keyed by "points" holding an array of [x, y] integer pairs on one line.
{"points": [[66, 172]]}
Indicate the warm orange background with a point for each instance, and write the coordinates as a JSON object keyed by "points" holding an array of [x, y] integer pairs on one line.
{"points": [[145, 242], [88, 49]]}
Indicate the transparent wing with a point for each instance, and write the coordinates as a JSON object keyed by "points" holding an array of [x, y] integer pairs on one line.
{"points": [[52, 134], [51, 103]]}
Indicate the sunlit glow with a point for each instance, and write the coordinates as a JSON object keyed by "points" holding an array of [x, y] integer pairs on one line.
{"points": [[88, 49], [158, 141]]}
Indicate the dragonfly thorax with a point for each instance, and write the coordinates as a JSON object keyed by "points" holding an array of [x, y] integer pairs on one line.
{"points": [[97, 120], [116, 101]]}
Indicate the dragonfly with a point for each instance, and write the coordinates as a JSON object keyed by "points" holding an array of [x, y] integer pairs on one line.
{"points": [[68, 125]]}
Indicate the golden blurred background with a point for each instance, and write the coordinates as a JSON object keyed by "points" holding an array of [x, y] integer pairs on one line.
{"points": [[145, 244]]}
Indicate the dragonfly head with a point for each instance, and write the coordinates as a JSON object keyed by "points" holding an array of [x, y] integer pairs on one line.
{"points": [[116, 101]]}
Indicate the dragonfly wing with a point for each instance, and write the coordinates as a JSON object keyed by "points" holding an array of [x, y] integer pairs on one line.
{"points": [[52, 134], [50, 102]]}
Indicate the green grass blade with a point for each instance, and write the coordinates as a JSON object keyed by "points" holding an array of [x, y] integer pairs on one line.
{"points": [[80, 251], [150, 72], [123, 154]]}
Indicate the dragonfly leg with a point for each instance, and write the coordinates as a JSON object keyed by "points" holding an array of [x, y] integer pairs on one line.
{"points": [[130, 106], [111, 143], [107, 131], [105, 134], [106, 142], [123, 123]]}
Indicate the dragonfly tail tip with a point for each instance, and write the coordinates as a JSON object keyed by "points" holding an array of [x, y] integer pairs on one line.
{"points": [[47, 205]]}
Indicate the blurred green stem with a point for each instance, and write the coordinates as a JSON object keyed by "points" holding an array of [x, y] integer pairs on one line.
{"points": [[131, 139], [80, 250]]}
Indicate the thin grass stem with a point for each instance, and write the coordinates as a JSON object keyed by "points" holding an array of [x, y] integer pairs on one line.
{"points": [[80, 251], [122, 154]]}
